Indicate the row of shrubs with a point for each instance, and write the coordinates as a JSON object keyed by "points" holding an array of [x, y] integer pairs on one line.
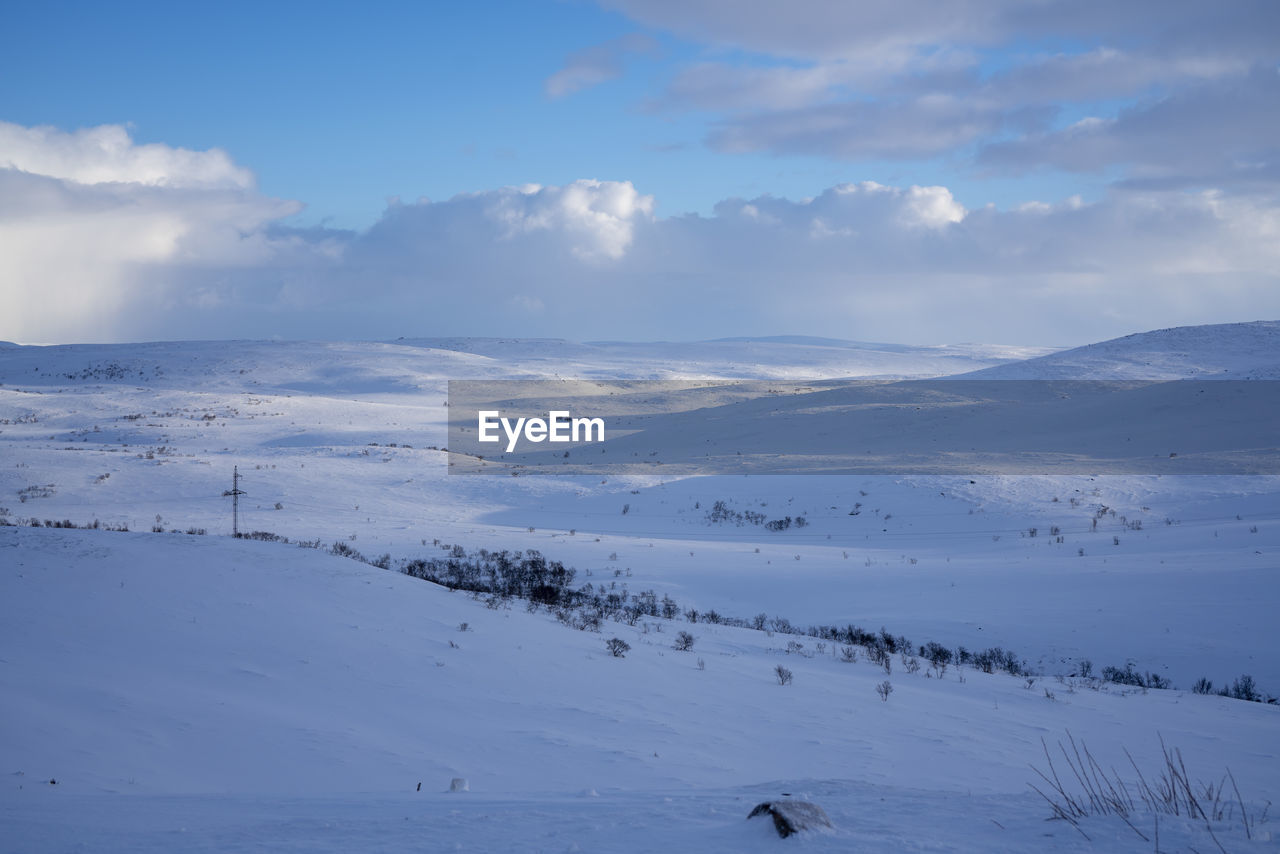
{"points": [[529, 576], [1242, 689], [1129, 676], [6, 522], [95, 525], [721, 512]]}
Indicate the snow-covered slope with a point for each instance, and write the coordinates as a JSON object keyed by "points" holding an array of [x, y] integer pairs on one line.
{"points": [[780, 357], [1219, 351], [167, 665], [139, 667], [341, 441]]}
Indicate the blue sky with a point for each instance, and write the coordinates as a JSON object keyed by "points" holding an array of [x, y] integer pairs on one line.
{"points": [[1144, 125], [344, 107]]}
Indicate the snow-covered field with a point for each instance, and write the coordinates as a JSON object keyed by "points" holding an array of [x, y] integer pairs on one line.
{"points": [[204, 693]]}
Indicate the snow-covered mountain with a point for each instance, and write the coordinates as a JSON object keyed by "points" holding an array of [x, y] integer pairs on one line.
{"points": [[1218, 351]]}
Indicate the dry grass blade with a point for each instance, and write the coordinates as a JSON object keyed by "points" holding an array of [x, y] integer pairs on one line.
{"points": [[1171, 792]]}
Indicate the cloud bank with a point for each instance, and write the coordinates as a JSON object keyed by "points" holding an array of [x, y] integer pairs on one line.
{"points": [[102, 239], [1182, 93]]}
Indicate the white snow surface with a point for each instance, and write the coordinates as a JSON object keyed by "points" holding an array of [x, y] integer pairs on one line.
{"points": [[303, 697], [1219, 351], [204, 693]]}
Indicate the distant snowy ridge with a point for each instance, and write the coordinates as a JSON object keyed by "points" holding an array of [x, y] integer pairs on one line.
{"points": [[775, 357], [1220, 351]]}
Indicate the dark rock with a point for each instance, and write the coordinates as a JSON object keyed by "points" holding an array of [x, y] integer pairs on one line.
{"points": [[792, 816]]}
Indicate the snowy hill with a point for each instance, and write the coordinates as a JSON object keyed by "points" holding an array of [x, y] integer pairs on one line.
{"points": [[778, 357], [265, 696], [140, 667], [1221, 351]]}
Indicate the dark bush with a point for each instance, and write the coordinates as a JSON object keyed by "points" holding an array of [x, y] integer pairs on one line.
{"points": [[1129, 676], [1243, 689], [617, 647], [935, 653]]}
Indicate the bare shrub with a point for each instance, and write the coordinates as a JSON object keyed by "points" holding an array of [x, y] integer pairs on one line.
{"points": [[617, 647]]}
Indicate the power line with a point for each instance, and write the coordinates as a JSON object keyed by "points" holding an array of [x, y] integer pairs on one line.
{"points": [[235, 492]]}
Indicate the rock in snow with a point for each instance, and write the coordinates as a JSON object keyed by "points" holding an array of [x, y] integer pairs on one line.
{"points": [[792, 816]]}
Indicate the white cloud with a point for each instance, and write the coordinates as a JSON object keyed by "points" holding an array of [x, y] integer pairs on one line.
{"points": [[1223, 132], [932, 207], [597, 64], [597, 216], [723, 85], [107, 154], [920, 127], [590, 260], [838, 29], [819, 28], [87, 219], [893, 80]]}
